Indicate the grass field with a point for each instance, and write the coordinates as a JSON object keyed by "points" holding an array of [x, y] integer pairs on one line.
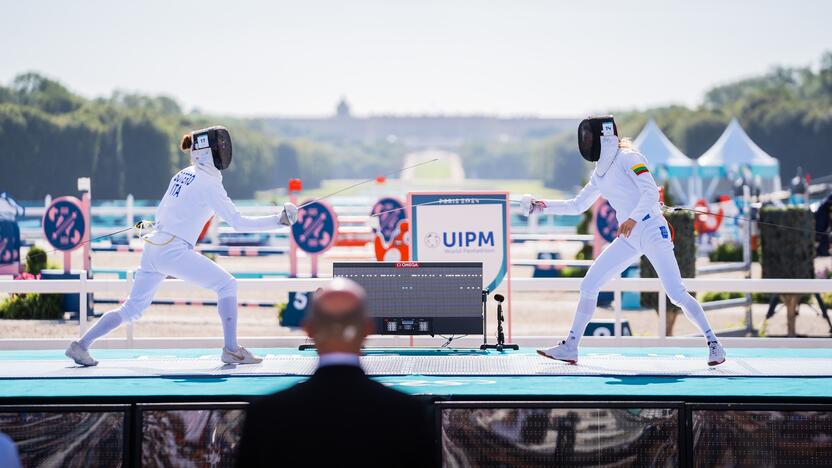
{"points": [[438, 170]]}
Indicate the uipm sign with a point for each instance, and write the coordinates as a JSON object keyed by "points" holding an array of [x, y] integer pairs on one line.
{"points": [[464, 227]]}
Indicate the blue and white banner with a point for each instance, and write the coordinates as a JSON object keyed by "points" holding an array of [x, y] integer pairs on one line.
{"points": [[462, 227], [64, 223], [317, 227]]}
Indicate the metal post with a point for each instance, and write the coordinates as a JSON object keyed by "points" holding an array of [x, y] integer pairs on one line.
{"points": [[82, 303], [130, 215], [293, 246], [313, 262], [130, 323], [662, 314], [86, 204], [746, 256]]}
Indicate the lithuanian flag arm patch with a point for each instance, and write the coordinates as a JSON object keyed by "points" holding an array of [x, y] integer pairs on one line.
{"points": [[639, 169]]}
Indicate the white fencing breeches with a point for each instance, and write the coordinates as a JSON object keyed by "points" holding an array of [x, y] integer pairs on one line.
{"points": [[177, 259], [652, 239]]}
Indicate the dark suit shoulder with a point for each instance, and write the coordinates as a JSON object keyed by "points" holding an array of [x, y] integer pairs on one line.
{"points": [[280, 398]]}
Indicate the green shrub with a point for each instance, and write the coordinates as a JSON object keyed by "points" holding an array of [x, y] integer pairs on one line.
{"points": [[281, 309], [731, 252], [36, 260], [720, 296], [586, 221], [32, 306], [787, 253], [756, 298], [573, 272], [761, 298], [585, 253]]}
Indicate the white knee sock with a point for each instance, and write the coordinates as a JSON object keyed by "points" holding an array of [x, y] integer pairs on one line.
{"points": [[107, 323], [583, 314], [227, 308]]}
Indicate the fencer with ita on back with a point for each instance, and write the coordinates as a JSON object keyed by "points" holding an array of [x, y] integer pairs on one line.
{"points": [[621, 176], [192, 197]]}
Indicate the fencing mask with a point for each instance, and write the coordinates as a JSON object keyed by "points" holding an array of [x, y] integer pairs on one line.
{"points": [[214, 143], [598, 141]]}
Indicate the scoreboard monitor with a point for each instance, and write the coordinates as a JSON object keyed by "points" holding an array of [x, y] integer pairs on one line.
{"points": [[420, 298]]}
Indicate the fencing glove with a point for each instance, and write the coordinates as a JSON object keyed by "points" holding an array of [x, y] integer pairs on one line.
{"points": [[529, 205], [289, 214]]}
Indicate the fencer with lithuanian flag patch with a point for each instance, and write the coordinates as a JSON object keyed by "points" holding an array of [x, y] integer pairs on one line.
{"points": [[639, 169], [629, 187]]}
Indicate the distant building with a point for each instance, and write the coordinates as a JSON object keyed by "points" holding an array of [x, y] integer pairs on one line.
{"points": [[343, 109], [436, 131]]}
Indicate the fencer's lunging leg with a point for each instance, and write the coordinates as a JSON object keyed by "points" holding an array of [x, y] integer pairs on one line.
{"points": [[107, 323], [145, 286], [660, 254], [612, 261], [194, 267], [227, 309], [664, 262], [618, 256]]}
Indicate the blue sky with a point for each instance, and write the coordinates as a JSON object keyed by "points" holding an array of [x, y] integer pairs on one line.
{"points": [[515, 57]]}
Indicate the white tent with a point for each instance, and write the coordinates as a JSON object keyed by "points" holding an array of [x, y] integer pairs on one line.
{"points": [[733, 152], [666, 161]]}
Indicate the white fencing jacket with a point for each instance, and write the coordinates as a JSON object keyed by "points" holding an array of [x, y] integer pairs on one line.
{"points": [[627, 185], [192, 197]]}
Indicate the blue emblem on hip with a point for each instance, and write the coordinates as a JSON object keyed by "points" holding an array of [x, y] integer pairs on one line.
{"points": [[663, 230]]}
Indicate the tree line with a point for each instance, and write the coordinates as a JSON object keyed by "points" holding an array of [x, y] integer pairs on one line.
{"points": [[128, 143], [787, 112]]}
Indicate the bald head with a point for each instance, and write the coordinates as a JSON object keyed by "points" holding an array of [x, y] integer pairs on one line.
{"points": [[337, 319]]}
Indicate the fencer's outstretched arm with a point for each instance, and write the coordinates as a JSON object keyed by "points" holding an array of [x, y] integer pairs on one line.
{"points": [[574, 206], [646, 185], [222, 205]]}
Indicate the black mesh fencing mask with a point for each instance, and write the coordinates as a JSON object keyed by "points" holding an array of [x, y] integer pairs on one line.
{"points": [[218, 140], [590, 132]]}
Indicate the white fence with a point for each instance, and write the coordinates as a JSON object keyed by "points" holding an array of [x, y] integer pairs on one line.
{"points": [[281, 286]]}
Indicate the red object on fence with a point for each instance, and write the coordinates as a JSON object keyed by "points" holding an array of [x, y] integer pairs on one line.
{"points": [[706, 221], [205, 229]]}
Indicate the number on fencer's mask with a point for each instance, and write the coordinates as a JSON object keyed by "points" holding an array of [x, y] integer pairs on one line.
{"points": [[213, 142], [593, 134]]}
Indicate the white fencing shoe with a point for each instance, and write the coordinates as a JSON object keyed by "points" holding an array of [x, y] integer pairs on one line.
{"points": [[81, 356], [716, 353], [240, 356], [562, 352]]}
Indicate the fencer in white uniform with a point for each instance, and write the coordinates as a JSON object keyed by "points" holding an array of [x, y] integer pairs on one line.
{"points": [[193, 195], [621, 176]]}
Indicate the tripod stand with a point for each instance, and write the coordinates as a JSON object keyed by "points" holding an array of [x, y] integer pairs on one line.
{"points": [[501, 337]]}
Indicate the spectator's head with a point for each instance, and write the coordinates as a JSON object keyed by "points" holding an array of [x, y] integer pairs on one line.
{"points": [[337, 319]]}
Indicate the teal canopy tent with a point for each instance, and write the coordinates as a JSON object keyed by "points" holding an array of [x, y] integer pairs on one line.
{"points": [[667, 163]]}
